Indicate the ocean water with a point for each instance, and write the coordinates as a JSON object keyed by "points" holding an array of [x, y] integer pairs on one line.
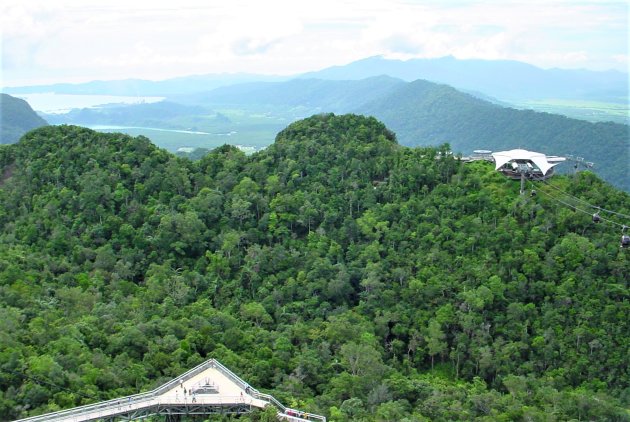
{"points": [[48, 102]]}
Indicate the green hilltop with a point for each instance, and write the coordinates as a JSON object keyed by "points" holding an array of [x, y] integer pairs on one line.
{"points": [[424, 113], [16, 118], [344, 273]]}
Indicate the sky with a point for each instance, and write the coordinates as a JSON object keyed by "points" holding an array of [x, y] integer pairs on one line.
{"points": [[52, 41]]}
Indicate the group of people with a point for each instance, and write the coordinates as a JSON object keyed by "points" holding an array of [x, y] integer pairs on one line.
{"points": [[188, 392]]}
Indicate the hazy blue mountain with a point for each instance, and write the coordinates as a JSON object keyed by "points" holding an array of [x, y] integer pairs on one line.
{"points": [[157, 114], [424, 113], [420, 112], [16, 118], [140, 87], [503, 79], [311, 94]]}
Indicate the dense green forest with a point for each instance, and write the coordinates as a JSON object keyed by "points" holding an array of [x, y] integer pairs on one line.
{"points": [[343, 273], [423, 113], [16, 118]]}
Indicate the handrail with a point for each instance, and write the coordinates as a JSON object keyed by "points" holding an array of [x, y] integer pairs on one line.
{"points": [[123, 401], [231, 375], [184, 377], [292, 418], [244, 385], [298, 415], [135, 398], [149, 396], [271, 399]]}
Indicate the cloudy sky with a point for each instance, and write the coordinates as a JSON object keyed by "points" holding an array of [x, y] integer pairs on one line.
{"points": [[51, 41]]}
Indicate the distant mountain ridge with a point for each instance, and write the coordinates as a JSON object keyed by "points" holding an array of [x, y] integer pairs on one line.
{"points": [[420, 112], [425, 113], [503, 79], [143, 87], [149, 114], [313, 94], [16, 118]]}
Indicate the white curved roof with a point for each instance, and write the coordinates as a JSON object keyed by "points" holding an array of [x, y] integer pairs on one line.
{"points": [[539, 159]]}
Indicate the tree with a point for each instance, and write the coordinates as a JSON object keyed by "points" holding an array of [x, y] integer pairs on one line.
{"points": [[435, 340], [255, 312]]}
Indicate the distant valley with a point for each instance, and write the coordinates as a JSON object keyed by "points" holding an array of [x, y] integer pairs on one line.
{"points": [[419, 112], [206, 111], [583, 94]]}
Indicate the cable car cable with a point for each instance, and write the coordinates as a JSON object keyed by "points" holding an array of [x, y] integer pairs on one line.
{"points": [[581, 210], [582, 200]]}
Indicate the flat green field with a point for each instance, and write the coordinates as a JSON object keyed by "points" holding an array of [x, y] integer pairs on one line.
{"points": [[593, 111], [248, 130]]}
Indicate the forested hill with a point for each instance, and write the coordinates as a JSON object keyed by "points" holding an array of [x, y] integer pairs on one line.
{"points": [[338, 270], [423, 113], [16, 118]]}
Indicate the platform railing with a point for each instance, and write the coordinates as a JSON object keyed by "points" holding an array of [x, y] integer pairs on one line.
{"points": [[147, 398], [122, 401], [295, 415]]}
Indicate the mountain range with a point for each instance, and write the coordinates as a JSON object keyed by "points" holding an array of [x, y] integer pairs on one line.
{"points": [[157, 114], [503, 79], [420, 112], [143, 87], [425, 113], [16, 118], [312, 95]]}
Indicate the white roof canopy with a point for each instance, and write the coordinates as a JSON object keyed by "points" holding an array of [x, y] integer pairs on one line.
{"points": [[540, 160]]}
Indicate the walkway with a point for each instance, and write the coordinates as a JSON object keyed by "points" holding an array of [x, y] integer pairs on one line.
{"points": [[207, 389]]}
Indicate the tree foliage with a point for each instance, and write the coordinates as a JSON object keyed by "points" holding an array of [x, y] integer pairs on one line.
{"points": [[337, 270]]}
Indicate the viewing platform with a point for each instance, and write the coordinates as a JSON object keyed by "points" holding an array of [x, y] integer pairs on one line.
{"points": [[519, 162], [208, 389]]}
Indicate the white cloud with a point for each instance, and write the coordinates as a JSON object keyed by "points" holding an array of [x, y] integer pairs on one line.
{"points": [[89, 39]]}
